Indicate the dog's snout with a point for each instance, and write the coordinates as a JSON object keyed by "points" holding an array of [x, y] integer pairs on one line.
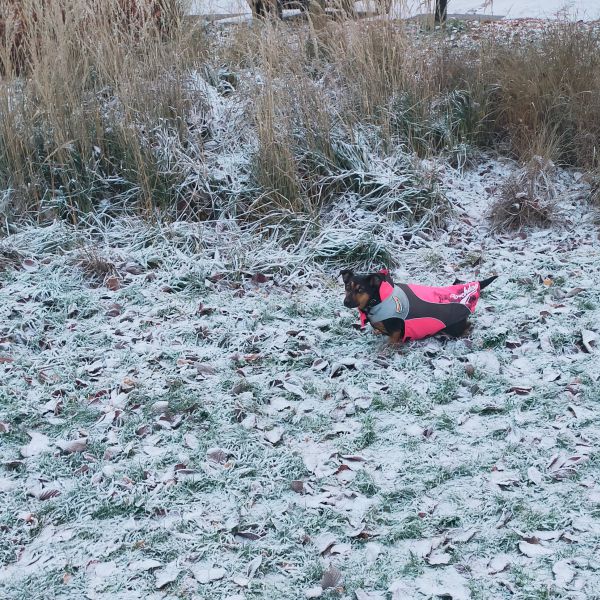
{"points": [[350, 302]]}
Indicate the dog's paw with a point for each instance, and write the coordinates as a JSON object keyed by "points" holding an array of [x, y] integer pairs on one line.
{"points": [[388, 350]]}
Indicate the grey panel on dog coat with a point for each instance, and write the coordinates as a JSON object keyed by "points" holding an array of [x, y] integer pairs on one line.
{"points": [[395, 306]]}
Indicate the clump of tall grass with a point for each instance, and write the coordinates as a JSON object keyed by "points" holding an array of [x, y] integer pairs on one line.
{"points": [[312, 152], [423, 95], [308, 159], [595, 188], [526, 198], [545, 96], [9, 258], [81, 126], [534, 97], [353, 248], [95, 266]]}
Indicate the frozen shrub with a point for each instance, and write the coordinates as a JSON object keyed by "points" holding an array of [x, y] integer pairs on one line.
{"points": [[526, 198]]}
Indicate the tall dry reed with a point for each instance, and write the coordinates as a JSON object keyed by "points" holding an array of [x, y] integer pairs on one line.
{"points": [[92, 77]]}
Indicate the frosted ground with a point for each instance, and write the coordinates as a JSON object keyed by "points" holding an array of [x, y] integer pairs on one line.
{"points": [[187, 410]]}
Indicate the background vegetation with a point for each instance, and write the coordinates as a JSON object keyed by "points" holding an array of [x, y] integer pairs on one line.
{"points": [[119, 109]]}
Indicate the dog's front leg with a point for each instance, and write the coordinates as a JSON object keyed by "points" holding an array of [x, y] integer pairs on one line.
{"points": [[395, 338], [392, 345]]}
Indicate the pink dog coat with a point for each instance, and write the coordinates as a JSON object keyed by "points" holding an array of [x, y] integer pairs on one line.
{"points": [[425, 310]]}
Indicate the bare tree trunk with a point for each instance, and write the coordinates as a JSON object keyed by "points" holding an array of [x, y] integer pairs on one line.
{"points": [[441, 11], [266, 8]]}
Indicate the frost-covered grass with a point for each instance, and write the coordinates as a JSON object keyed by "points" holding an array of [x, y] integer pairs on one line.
{"points": [[186, 411], [185, 407]]}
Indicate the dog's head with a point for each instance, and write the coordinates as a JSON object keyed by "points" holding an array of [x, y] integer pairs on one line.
{"points": [[361, 289]]}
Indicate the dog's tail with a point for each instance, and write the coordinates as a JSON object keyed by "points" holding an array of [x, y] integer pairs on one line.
{"points": [[483, 284]]}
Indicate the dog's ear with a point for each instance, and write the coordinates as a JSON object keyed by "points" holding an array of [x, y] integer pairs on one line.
{"points": [[376, 279], [346, 275]]}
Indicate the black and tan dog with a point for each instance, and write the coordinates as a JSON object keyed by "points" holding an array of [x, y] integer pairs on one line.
{"points": [[407, 311]]}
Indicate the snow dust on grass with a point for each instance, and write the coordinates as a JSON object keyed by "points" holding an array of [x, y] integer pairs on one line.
{"points": [[186, 411]]}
